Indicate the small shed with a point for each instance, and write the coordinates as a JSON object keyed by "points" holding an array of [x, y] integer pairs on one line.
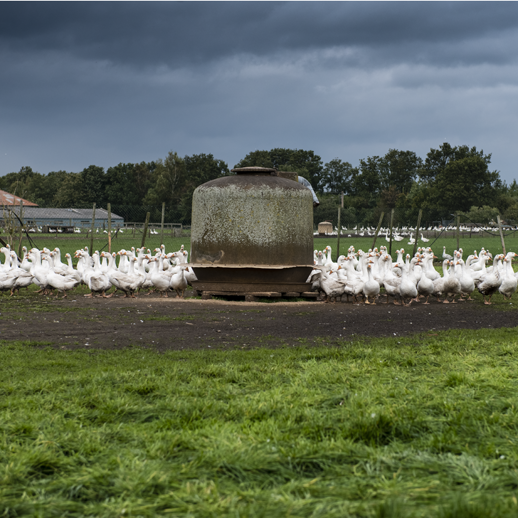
{"points": [[326, 227]]}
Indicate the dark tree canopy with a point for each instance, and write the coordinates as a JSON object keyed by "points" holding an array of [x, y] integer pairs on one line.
{"points": [[449, 179], [337, 177], [306, 163], [456, 178]]}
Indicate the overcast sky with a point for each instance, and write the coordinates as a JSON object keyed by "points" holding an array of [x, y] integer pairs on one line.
{"points": [[103, 83]]}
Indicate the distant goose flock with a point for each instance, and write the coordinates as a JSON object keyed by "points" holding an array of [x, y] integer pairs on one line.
{"points": [[400, 233], [360, 275]]}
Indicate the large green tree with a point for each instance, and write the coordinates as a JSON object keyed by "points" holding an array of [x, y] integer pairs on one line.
{"points": [[304, 162], [399, 170], [457, 178], [199, 169], [70, 192], [168, 181], [337, 177], [128, 184], [93, 185], [366, 183], [26, 184]]}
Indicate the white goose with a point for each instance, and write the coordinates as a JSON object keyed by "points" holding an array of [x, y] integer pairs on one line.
{"points": [[160, 280], [179, 282], [97, 280], [509, 280], [425, 284], [490, 283], [467, 285], [407, 288], [371, 287]]}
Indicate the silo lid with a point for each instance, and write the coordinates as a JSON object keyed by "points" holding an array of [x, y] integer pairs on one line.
{"points": [[254, 169]]}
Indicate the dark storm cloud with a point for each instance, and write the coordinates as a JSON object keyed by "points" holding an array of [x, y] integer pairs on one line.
{"points": [[177, 33], [109, 82]]}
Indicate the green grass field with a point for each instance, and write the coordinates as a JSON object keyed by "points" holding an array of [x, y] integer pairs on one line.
{"points": [[423, 426], [70, 243]]}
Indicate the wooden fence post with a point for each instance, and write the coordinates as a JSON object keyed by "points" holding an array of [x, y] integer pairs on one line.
{"points": [[21, 231], [338, 235], [109, 228], [92, 231], [378, 229], [501, 233], [391, 224], [162, 224], [417, 230], [145, 230], [457, 233]]}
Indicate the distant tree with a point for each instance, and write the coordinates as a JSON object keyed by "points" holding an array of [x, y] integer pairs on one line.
{"points": [[457, 178], [199, 169], [513, 189], [336, 177], [70, 192], [304, 162], [256, 159], [366, 183], [93, 185], [511, 214], [51, 185], [128, 184], [484, 214], [169, 177], [399, 169], [25, 183], [389, 198]]}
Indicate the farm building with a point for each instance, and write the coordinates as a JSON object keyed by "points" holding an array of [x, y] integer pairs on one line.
{"points": [[61, 218]]}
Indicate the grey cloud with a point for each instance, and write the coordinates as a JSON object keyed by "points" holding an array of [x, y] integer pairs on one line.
{"points": [[178, 33], [102, 83]]}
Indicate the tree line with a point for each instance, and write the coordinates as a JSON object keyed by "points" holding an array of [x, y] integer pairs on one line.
{"points": [[448, 180]]}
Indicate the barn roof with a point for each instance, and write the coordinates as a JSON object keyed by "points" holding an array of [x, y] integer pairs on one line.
{"points": [[74, 214], [10, 199]]}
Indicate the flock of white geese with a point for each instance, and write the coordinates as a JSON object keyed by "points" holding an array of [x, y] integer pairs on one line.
{"points": [[357, 274], [363, 274], [136, 269]]}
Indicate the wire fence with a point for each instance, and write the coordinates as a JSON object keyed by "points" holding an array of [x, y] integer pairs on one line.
{"points": [[126, 226], [396, 229], [121, 227]]}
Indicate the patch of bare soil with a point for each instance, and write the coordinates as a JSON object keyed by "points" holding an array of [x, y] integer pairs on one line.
{"points": [[170, 323]]}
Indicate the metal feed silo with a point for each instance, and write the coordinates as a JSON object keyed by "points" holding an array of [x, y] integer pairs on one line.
{"points": [[252, 232]]}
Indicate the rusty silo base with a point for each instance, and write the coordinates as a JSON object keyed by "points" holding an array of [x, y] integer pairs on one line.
{"points": [[252, 281]]}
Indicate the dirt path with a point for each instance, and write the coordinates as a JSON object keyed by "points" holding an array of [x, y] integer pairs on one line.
{"points": [[190, 324]]}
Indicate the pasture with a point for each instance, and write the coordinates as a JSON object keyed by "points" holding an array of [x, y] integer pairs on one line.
{"points": [[421, 426], [69, 243]]}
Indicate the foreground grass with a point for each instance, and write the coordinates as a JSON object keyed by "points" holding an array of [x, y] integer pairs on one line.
{"points": [[418, 426]]}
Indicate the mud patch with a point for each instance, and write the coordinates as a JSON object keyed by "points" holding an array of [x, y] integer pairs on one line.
{"points": [[173, 324]]}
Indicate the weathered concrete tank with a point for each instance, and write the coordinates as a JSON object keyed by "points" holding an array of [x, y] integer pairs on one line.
{"points": [[252, 232]]}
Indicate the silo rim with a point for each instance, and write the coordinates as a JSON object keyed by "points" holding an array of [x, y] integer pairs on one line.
{"points": [[253, 169]]}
